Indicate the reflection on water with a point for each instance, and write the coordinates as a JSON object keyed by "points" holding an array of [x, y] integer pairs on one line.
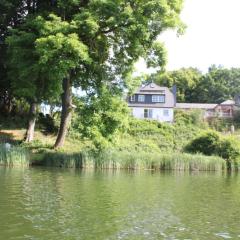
{"points": [[44, 203]]}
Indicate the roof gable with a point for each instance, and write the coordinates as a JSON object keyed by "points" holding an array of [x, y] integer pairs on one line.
{"points": [[152, 87]]}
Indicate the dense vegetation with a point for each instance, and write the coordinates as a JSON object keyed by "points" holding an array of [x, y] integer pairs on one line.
{"points": [[215, 86], [142, 144], [50, 48], [47, 47]]}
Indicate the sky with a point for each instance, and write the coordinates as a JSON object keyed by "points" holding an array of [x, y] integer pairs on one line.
{"points": [[212, 36]]}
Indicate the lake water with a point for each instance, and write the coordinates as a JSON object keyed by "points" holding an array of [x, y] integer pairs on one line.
{"points": [[49, 204]]}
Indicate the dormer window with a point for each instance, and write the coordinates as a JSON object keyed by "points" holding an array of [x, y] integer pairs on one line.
{"points": [[141, 98], [158, 98], [132, 98]]}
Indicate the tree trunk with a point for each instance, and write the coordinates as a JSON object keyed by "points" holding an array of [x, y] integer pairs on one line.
{"points": [[31, 122], [66, 113]]}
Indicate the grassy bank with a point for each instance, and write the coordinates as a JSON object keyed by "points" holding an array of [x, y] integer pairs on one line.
{"points": [[145, 145], [112, 159]]}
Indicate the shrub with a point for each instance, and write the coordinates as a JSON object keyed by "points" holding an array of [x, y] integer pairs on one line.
{"points": [[236, 117], [229, 148], [206, 143], [211, 143], [194, 117]]}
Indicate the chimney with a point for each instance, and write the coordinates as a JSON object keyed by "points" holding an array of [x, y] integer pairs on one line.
{"points": [[237, 100], [174, 91]]}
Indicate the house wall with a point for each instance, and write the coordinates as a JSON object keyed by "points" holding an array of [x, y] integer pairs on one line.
{"points": [[225, 111], [157, 114]]}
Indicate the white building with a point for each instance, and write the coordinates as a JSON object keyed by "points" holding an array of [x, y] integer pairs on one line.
{"points": [[225, 109], [153, 102]]}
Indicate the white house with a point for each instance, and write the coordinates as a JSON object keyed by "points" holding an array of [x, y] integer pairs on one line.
{"points": [[153, 102]]}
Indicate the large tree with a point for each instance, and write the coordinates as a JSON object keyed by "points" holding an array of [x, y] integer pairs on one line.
{"points": [[217, 85], [11, 13], [185, 79], [20, 75], [112, 35], [27, 79], [89, 44]]}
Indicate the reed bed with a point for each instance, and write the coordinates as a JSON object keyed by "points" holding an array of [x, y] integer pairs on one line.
{"points": [[57, 159], [161, 161], [135, 160], [14, 156]]}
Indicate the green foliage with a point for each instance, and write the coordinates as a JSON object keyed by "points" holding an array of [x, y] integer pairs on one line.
{"points": [[100, 117], [148, 127], [212, 143], [218, 85], [194, 117], [47, 123], [15, 122], [91, 44], [96, 42], [229, 148], [153, 136], [157, 56], [193, 86], [236, 117], [221, 124], [207, 143], [186, 80], [32, 53]]}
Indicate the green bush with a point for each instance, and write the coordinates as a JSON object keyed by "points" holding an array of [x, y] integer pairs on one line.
{"points": [[194, 117], [229, 148], [236, 117], [211, 143], [156, 136], [206, 143]]}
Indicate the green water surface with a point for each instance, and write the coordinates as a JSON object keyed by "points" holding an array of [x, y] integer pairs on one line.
{"points": [[51, 204]]}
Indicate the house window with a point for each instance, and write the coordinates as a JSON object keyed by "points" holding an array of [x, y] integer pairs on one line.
{"points": [[165, 112], [158, 98], [141, 98], [132, 98], [148, 113]]}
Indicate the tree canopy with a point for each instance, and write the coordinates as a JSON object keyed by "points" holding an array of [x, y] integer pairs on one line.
{"points": [[215, 86], [186, 80], [89, 44]]}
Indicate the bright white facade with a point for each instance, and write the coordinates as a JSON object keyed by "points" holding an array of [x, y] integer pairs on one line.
{"points": [[153, 102], [159, 114]]}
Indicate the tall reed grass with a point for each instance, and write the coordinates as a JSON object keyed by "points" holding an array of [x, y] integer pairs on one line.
{"points": [[55, 159], [135, 160], [14, 156]]}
